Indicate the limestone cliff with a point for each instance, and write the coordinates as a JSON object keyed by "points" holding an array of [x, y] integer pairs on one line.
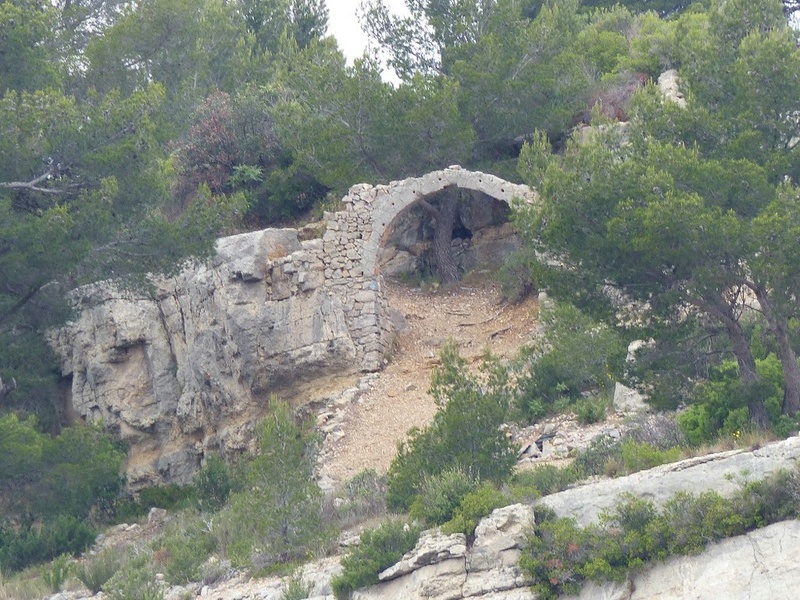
{"points": [[190, 368]]}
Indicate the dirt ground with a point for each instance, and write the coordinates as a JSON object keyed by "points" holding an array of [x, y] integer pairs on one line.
{"points": [[472, 314]]}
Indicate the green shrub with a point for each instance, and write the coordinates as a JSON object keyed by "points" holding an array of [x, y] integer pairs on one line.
{"points": [[560, 556], [296, 588], [98, 569], [527, 486], [183, 550], [379, 549], [70, 474], [575, 355], [213, 484], [24, 546], [721, 404], [638, 456], [169, 496], [465, 431], [60, 569], [472, 508], [591, 410], [134, 581], [516, 274], [277, 518], [593, 459], [440, 495]]}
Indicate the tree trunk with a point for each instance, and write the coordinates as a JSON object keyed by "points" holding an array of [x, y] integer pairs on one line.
{"points": [[445, 217], [719, 308], [791, 372]]}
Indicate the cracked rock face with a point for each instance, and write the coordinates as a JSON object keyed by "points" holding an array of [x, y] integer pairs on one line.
{"points": [[443, 567], [191, 369]]}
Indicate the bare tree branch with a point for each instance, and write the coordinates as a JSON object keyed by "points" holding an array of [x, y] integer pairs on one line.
{"points": [[32, 185]]}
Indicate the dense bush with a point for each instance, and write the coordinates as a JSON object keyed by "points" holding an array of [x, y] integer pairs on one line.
{"points": [[465, 432], [440, 495], [612, 457], [591, 410], [515, 274], [169, 496], [96, 570], [527, 486], [69, 474], [182, 550], [135, 580], [721, 404], [21, 546], [473, 507], [593, 459], [379, 549], [561, 555], [213, 484], [277, 517], [575, 355]]}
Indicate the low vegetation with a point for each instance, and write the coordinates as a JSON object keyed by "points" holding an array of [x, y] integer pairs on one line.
{"points": [[561, 555], [379, 549]]}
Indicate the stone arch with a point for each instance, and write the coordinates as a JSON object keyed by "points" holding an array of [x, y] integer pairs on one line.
{"points": [[391, 200], [346, 259]]}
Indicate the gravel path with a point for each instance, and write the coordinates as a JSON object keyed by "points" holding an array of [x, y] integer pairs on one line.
{"points": [[473, 315]]}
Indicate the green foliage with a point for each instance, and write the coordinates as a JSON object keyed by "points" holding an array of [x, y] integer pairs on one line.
{"points": [[81, 472], [561, 555], [213, 484], [134, 581], [601, 450], [465, 432], [297, 588], [167, 496], [475, 505], [591, 410], [364, 496], [183, 549], [527, 486], [440, 495], [576, 355], [721, 403], [58, 572], [638, 456], [24, 545], [614, 456], [516, 274], [96, 570], [276, 518], [379, 549]]}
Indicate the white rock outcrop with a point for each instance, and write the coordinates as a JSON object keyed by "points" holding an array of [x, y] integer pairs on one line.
{"points": [[444, 567], [723, 472]]}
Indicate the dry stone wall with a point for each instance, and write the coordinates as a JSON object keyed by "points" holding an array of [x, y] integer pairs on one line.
{"points": [[190, 369]]}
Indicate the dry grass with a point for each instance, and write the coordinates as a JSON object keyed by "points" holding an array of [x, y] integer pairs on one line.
{"points": [[27, 585]]}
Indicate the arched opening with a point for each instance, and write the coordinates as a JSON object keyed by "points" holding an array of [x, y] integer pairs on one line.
{"points": [[480, 236], [392, 201]]}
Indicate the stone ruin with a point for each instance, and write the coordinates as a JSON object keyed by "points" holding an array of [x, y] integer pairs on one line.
{"points": [[191, 369]]}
